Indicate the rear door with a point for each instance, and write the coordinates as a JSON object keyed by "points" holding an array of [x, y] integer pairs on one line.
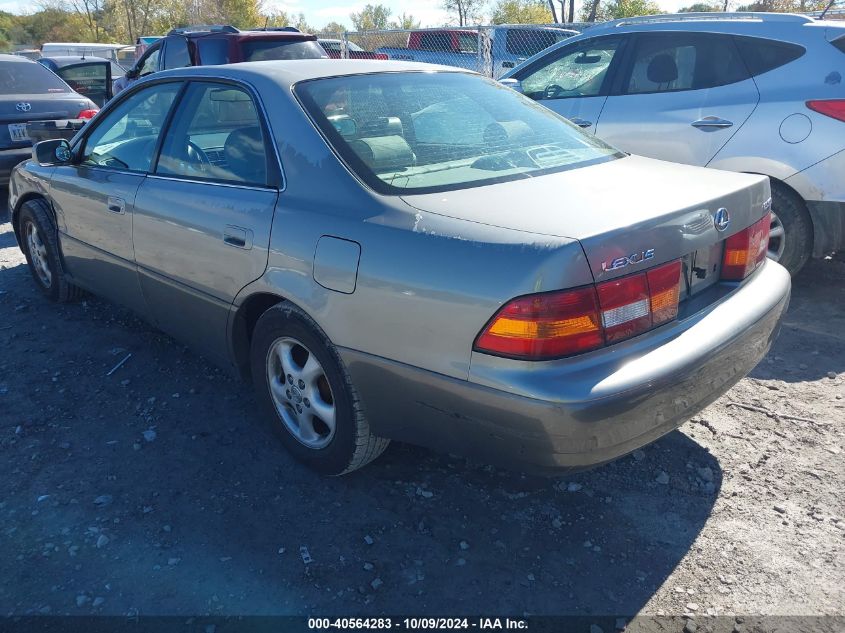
{"points": [[92, 80], [680, 97], [94, 197], [202, 220], [574, 80]]}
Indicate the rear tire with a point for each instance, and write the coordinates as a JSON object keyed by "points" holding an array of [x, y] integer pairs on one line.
{"points": [[40, 244], [306, 394], [791, 242]]}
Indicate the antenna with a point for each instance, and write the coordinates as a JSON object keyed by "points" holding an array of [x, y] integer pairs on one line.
{"points": [[826, 9]]}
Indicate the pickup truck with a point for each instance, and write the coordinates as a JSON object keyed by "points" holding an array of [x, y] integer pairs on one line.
{"points": [[492, 51]]}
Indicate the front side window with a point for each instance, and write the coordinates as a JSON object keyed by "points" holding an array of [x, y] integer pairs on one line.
{"points": [[668, 62], [215, 135], [577, 71], [407, 132], [149, 64], [263, 50], [24, 78], [126, 137]]}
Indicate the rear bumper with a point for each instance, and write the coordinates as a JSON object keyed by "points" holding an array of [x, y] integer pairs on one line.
{"points": [[11, 157], [583, 411]]}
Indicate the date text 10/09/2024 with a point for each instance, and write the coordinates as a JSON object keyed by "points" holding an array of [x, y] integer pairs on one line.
{"points": [[418, 624]]}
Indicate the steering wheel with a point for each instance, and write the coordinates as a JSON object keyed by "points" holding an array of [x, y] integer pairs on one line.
{"points": [[553, 91], [198, 157]]}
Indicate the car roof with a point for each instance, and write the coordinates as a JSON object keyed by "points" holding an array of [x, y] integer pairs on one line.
{"points": [[288, 72], [67, 60], [269, 35], [14, 58]]}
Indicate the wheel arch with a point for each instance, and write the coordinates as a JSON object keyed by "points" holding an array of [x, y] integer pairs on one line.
{"points": [[243, 325], [24, 198]]}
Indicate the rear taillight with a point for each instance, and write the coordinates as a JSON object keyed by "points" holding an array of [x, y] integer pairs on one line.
{"points": [[569, 322], [830, 107], [381, 56], [746, 250], [86, 114]]}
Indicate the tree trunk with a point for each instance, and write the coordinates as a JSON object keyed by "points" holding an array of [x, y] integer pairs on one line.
{"points": [[554, 13], [595, 8], [571, 11]]}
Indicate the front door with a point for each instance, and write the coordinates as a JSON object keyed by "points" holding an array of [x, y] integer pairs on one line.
{"points": [[573, 80], [94, 197], [680, 97], [203, 219]]}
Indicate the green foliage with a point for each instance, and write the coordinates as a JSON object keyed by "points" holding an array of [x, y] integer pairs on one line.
{"points": [[467, 12], [701, 7], [371, 17], [521, 12], [405, 21], [335, 28], [616, 9]]}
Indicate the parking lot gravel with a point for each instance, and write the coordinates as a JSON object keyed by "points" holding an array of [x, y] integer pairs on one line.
{"points": [[153, 488]]}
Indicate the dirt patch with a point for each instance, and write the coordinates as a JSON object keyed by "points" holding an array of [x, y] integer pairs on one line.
{"points": [[155, 490]]}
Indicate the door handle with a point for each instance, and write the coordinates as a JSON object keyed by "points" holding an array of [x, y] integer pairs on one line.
{"points": [[711, 123], [580, 122], [116, 205], [238, 237]]}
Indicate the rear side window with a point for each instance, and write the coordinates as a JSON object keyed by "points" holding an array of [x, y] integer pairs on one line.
{"points": [[27, 78], [762, 55], [527, 43], [176, 53], [840, 43], [669, 62], [213, 52], [436, 42], [262, 50]]}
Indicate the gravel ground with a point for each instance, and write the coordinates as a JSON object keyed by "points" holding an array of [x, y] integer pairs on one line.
{"points": [[157, 491]]}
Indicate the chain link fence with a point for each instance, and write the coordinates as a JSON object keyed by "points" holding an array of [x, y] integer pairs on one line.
{"points": [[489, 50]]}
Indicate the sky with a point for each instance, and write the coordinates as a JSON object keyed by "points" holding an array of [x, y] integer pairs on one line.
{"points": [[320, 12]]}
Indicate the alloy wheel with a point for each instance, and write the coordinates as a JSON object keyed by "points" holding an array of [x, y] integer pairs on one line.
{"points": [[777, 238], [301, 393], [38, 255]]}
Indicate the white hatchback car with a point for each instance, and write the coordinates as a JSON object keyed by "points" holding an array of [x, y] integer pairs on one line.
{"points": [[749, 92]]}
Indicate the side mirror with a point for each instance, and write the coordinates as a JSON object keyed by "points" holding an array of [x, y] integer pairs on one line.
{"points": [[513, 84], [55, 151]]}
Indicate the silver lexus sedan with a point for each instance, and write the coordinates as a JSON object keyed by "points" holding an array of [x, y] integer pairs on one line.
{"points": [[410, 252]]}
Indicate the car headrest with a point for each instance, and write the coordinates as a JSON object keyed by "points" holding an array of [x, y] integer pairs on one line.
{"points": [[245, 156], [382, 126], [384, 153], [662, 69], [498, 134]]}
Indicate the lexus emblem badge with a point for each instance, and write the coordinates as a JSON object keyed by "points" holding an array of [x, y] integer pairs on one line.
{"points": [[722, 219]]}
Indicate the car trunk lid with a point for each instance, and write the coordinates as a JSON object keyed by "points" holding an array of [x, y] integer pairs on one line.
{"points": [[39, 107], [628, 214]]}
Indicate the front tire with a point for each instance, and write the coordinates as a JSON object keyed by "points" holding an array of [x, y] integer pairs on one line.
{"points": [[305, 392], [791, 238], [40, 246]]}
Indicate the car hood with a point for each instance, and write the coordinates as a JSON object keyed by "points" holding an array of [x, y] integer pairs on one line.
{"points": [[617, 208]]}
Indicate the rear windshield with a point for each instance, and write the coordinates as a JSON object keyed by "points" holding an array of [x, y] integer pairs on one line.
{"points": [[415, 132], [261, 50], [25, 78]]}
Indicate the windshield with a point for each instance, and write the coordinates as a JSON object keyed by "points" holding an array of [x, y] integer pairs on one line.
{"points": [[262, 50], [28, 78], [416, 132]]}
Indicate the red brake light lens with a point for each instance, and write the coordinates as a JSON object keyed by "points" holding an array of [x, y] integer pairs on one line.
{"points": [[547, 325], [382, 56], [86, 114], [830, 107], [558, 324], [746, 250]]}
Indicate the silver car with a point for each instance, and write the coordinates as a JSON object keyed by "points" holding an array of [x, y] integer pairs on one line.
{"points": [[401, 251], [751, 92]]}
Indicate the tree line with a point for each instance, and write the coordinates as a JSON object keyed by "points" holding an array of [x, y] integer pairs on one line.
{"points": [[122, 21]]}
